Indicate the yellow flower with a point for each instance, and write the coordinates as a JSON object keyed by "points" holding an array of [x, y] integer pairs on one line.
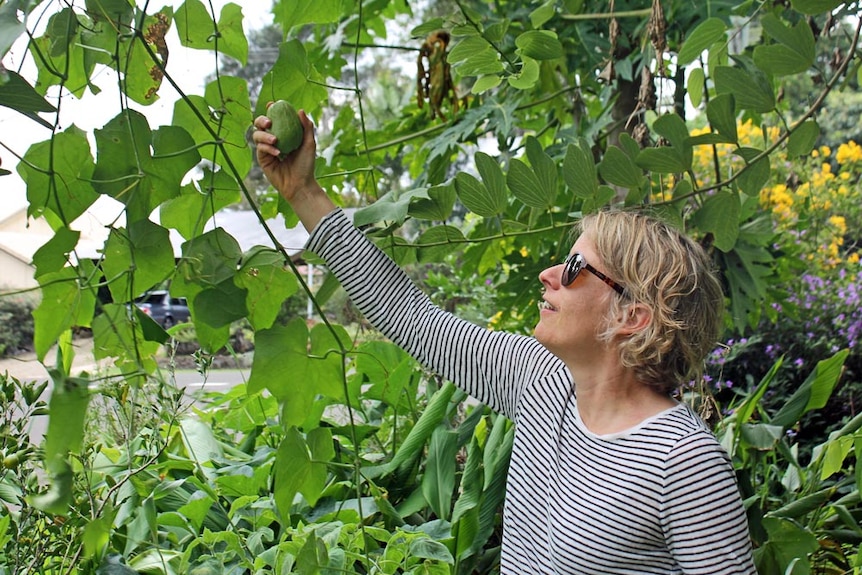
{"points": [[853, 258], [839, 223], [825, 151], [524, 252]]}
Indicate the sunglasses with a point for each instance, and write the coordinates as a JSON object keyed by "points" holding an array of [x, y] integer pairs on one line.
{"points": [[573, 266]]}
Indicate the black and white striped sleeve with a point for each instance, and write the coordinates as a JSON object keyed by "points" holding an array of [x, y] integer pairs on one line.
{"points": [[491, 366]]}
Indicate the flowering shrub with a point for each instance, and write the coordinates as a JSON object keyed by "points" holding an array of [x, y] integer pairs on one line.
{"points": [[816, 213]]}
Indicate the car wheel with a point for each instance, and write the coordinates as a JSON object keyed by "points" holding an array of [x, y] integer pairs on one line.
{"points": [[168, 323]]}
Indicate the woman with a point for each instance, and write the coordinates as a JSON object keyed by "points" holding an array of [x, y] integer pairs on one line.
{"points": [[609, 474]]}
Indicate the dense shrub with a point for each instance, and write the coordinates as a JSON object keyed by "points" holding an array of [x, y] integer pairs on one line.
{"points": [[16, 324]]}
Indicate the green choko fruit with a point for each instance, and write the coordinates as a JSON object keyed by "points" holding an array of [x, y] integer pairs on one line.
{"points": [[286, 126]]}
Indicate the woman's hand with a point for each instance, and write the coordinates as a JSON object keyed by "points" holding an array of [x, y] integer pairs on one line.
{"points": [[293, 175]]}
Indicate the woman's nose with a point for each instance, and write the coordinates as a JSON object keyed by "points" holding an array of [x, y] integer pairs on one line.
{"points": [[550, 277]]}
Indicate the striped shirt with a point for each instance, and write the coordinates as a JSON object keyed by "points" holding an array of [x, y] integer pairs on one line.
{"points": [[658, 498]]}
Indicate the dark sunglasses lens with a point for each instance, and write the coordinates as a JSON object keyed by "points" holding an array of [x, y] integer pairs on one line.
{"points": [[571, 269]]}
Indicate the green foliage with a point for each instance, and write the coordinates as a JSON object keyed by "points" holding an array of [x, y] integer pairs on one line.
{"points": [[323, 461], [16, 324]]}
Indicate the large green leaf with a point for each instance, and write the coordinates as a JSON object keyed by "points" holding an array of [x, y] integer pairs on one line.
{"points": [[54, 254], [794, 51], [18, 94], [282, 366], [477, 197], [702, 37], [545, 169], [322, 450], [815, 6], [268, 282], [65, 304], [526, 185], [721, 112], [391, 207], [189, 212], [294, 79], [475, 56], [290, 13], [579, 170], [116, 336], [128, 171], [788, 544], [197, 29], [220, 305], [750, 91], [438, 242], [756, 172], [438, 481], [292, 469], [539, 45], [803, 138], [719, 216], [58, 175], [619, 169], [814, 392], [137, 258], [10, 27], [218, 123], [437, 206]]}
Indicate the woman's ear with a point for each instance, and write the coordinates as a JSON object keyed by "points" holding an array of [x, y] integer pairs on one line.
{"points": [[636, 317]]}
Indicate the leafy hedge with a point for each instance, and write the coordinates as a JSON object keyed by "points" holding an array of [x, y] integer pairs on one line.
{"points": [[16, 324]]}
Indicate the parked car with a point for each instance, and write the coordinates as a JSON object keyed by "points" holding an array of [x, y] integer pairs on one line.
{"points": [[163, 308]]}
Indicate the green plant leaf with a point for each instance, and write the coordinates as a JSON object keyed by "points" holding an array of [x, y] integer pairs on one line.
{"points": [[437, 206], [137, 259], [391, 207], [10, 27], [412, 445], [220, 305], [527, 76], [127, 169], [527, 187], [719, 216], [661, 160], [450, 238], [281, 365], [619, 169], [694, 86], [290, 13], [814, 391], [116, 336], [58, 175], [438, 481], [474, 56], [477, 198], [65, 304], [232, 38], [757, 172], [492, 178], [803, 138], [750, 91], [579, 170], [268, 282], [545, 169], [539, 45], [787, 543], [721, 113], [702, 37], [54, 254], [815, 6], [189, 212], [292, 78], [319, 441], [291, 470]]}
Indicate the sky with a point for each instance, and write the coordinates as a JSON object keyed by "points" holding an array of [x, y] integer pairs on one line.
{"points": [[188, 67]]}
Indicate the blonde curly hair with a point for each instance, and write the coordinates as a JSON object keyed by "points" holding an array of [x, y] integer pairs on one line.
{"points": [[673, 276]]}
